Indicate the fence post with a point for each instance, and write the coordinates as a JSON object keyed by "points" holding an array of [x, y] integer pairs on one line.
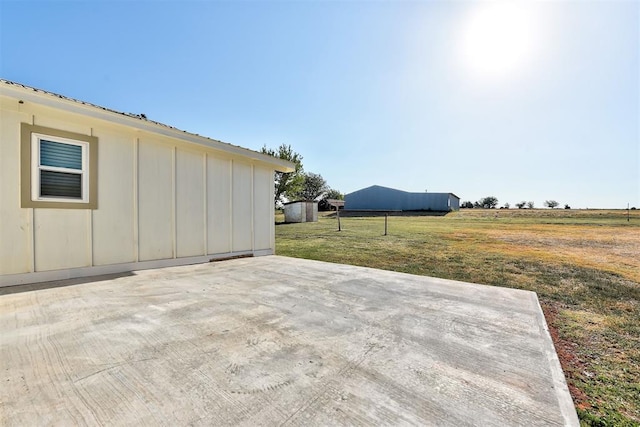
{"points": [[338, 214], [386, 216]]}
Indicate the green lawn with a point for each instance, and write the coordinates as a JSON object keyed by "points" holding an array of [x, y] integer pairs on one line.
{"points": [[584, 265]]}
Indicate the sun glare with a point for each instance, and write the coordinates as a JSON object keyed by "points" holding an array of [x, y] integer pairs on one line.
{"points": [[498, 38]]}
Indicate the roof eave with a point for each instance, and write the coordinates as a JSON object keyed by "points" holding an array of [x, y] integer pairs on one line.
{"points": [[49, 99]]}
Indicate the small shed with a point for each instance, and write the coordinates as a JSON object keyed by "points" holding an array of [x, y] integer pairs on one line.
{"points": [[301, 211]]}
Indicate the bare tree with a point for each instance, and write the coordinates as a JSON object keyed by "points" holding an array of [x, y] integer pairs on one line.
{"points": [[551, 203], [530, 205], [488, 202]]}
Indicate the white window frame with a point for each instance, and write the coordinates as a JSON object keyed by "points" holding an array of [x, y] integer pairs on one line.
{"points": [[36, 167]]}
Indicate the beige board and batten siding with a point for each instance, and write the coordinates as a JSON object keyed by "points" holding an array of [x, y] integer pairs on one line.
{"points": [[219, 208], [162, 199], [16, 248], [112, 223]]}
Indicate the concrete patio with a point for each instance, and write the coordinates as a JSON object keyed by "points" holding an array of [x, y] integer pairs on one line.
{"points": [[273, 341]]}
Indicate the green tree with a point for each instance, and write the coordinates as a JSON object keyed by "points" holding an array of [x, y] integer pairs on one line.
{"points": [[287, 184], [313, 187], [521, 205], [332, 193]]}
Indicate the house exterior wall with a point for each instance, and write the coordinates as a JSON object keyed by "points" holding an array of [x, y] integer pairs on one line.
{"points": [[161, 201], [15, 224], [112, 224], [219, 210], [389, 199]]}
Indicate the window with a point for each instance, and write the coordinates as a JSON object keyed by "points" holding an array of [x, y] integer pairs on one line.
{"points": [[61, 168]]}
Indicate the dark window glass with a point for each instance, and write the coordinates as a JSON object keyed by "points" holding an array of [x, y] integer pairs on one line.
{"points": [[60, 155], [60, 184]]}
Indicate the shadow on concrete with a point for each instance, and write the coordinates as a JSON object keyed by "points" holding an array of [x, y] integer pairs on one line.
{"points": [[61, 283]]}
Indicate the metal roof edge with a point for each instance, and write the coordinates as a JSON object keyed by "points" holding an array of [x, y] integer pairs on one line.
{"points": [[50, 99], [301, 201], [375, 186], [400, 191]]}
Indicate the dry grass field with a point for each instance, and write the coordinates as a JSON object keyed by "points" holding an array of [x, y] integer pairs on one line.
{"points": [[584, 265]]}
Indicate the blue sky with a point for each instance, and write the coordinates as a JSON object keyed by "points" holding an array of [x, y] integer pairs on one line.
{"points": [[534, 101]]}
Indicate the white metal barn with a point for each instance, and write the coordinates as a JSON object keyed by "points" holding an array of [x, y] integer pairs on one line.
{"points": [[85, 190]]}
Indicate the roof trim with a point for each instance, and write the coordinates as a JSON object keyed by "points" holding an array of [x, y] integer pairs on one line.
{"points": [[399, 191], [300, 201], [50, 99]]}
